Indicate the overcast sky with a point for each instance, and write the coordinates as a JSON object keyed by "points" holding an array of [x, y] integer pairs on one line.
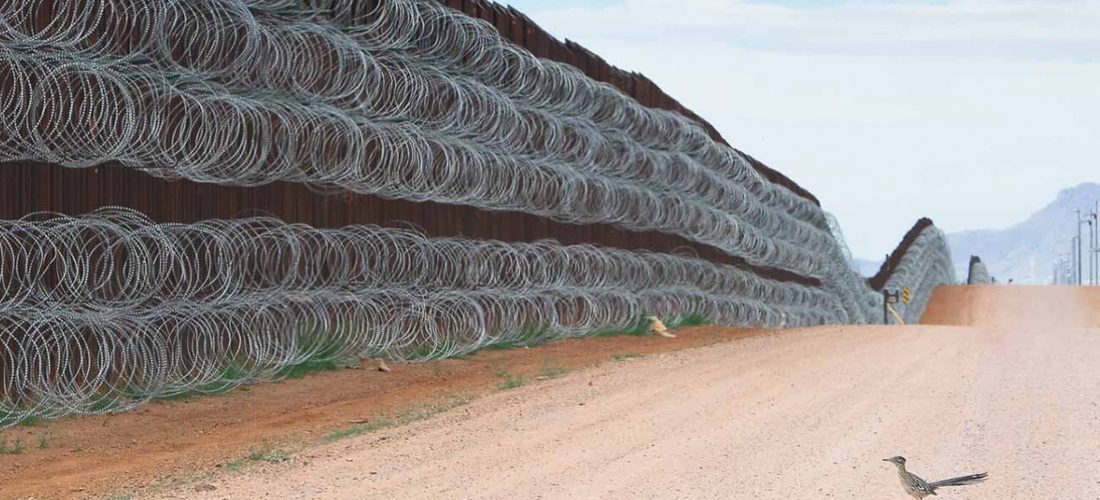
{"points": [[972, 112]]}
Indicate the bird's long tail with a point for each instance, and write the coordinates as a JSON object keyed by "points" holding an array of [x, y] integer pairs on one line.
{"points": [[960, 481]]}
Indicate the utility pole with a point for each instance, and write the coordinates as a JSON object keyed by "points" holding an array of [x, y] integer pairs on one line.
{"points": [[1077, 247], [888, 298], [1091, 218], [1095, 245], [1072, 260], [1092, 237]]}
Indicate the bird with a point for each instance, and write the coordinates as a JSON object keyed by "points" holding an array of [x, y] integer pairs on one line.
{"points": [[919, 488]]}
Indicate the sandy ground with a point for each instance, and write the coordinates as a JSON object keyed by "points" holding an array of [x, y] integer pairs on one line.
{"points": [[180, 443], [1003, 379]]}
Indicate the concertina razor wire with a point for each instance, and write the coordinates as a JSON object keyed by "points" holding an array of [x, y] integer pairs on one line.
{"points": [[411, 100], [978, 273]]}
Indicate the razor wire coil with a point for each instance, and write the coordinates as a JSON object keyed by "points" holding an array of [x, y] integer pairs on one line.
{"points": [[104, 311], [408, 100], [207, 93]]}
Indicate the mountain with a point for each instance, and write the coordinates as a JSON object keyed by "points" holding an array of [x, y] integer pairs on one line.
{"points": [[1027, 251]]}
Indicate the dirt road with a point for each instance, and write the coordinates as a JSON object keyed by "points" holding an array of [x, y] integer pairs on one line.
{"points": [[180, 442], [1008, 382]]}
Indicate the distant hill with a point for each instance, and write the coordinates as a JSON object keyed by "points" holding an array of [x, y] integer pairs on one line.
{"points": [[1026, 252]]}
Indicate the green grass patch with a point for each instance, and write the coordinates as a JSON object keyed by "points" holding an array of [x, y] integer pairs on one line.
{"points": [[626, 356], [688, 320], [302, 369], [637, 328], [511, 382], [312, 338], [15, 447], [228, 379], [104, 403], [234, 466], [422, 412], [439, 371], [371, 425], [403, 417], [640, 326], [269, 454], [552, 370], [44, 440], [534, 336], [420, 351], [17, 416], [265, 453], [529, 336]]}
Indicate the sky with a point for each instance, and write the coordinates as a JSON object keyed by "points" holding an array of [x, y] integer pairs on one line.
{"points": [[972, 112]]}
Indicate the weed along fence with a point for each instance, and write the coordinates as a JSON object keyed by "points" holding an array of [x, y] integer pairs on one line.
{"points": [[200, 194]]}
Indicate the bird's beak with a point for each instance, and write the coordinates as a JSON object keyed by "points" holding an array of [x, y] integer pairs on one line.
{"points": [[886, 460]]}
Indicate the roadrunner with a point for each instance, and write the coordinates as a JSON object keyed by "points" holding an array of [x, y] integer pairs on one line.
{"points": [[919, 488]]}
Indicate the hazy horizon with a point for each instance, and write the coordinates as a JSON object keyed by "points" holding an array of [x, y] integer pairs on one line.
{"points": [[887, 111]]}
